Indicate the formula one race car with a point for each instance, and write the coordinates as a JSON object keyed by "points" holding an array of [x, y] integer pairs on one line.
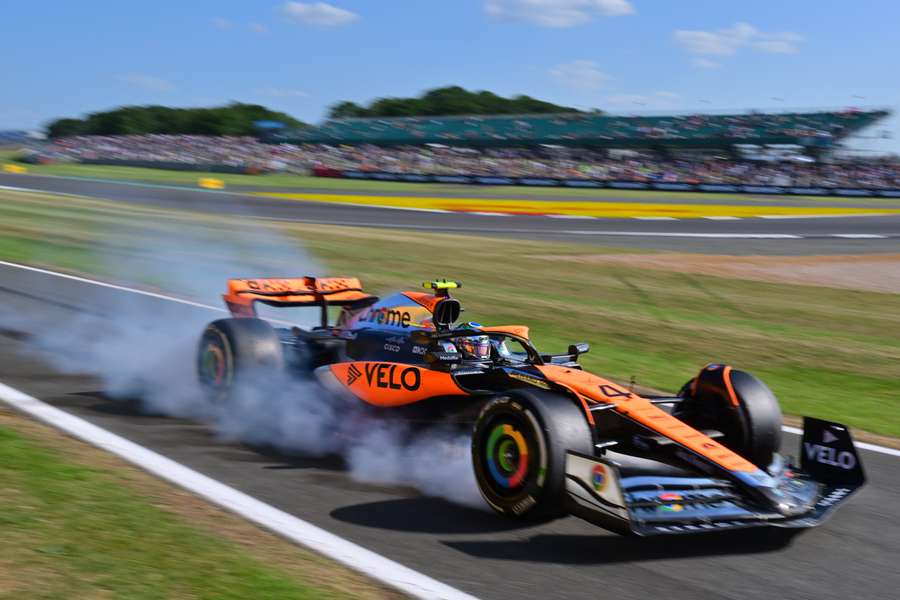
{"points": [[548, 438]]}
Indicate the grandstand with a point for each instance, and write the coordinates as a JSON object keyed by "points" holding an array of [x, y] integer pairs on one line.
{"points": [[815, 130]]}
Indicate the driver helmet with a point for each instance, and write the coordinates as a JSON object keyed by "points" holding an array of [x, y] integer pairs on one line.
{"points": [[474, 347]]}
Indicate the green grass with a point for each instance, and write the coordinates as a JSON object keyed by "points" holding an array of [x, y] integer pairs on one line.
{"points": [[300, 182], [826, 352], [74, 530]]}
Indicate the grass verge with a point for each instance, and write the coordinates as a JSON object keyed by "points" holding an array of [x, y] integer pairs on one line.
{"points": [[79, 523], [825, 352]]}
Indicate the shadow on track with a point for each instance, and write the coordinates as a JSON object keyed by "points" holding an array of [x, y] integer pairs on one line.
{"points": [[610, 548], [425, 515]]}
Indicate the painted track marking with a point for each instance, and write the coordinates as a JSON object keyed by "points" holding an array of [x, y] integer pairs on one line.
{"points": [[293, 528]]}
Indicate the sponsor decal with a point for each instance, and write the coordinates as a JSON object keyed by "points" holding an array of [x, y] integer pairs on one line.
{"points": [[833, 498], [599, 477], [392, 317], [390, 376], [529, 380], [392, 347], [353, 374], [671, 508], [523, 505], [419, 350], [825, 455], [670, 497]]}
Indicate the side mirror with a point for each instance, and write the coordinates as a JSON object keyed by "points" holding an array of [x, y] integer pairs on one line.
{"points": [[579, 348]]}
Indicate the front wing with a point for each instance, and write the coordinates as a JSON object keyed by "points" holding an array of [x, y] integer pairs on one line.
{"points": [[651, 505]]}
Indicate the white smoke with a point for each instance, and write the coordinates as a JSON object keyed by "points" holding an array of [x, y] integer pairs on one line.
{"points": [[145, 349]]}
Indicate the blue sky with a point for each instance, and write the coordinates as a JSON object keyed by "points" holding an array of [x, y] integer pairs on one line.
{"points": [[69, 58]]}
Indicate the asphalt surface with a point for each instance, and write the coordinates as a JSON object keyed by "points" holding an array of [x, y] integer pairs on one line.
{"points": [[854, 555], [842, 235]]}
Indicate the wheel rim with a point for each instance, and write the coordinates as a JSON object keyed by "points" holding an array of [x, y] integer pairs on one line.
{"points": [[508, 455], [212, 364]]}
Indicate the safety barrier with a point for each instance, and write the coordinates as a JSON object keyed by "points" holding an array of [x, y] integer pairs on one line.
{"points": [[615, 184]]}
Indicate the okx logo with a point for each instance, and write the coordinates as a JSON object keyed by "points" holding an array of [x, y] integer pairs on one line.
{"points": [[353, 374]]}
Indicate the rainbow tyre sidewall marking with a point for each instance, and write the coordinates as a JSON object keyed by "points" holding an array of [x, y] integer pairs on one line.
{"points": [[510, 457], [507, 456], [212, 365]]}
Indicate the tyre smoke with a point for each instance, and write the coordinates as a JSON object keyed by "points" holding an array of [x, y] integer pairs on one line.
{"points": [[144, 348]]}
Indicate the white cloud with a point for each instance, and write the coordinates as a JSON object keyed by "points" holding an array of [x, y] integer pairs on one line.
{"points": [[258, 28], [277, 92], [779, 43], [705, 63], [660, 99], [726, 42], [319, 14], [220, 23], [557, 13], [579, 74], [147, 82]]}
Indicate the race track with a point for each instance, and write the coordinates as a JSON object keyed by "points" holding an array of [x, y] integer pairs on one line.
{"points": [[818, 235], [854, 555]]}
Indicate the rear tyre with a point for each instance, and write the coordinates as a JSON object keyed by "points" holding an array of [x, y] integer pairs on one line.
{"points": [[237, 352], [739, 405], [519, 452]]}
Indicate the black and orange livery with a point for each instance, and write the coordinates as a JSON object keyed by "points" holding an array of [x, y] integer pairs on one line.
{"points": [[548, 438]]}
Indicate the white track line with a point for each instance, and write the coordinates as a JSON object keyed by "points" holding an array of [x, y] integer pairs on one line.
{"points": [[347, 553], [795, 430], [860, 236], [112, 286], [656, 218], [674, 234], [722, 218]]}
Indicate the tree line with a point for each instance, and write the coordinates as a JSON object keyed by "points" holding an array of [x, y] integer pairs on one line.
{"points": [[234, 119], [452, 100], [238, 118]]}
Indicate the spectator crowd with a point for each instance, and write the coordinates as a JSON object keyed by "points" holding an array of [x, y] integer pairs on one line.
{"points": [[250, 154]]}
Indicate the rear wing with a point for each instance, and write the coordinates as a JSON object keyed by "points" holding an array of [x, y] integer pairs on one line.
{"points": [[243, 294]]}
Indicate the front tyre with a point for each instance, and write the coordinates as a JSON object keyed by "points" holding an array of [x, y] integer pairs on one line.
{"points": [[237, 352], [519, 451], [739, 405]]}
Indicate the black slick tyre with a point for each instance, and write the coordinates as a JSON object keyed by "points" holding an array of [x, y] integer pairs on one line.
{"points": [[739, 405], [237, 352], [519, 449]]}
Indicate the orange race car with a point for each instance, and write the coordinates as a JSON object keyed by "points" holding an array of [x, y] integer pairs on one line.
{"points": [[548, 438]]}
